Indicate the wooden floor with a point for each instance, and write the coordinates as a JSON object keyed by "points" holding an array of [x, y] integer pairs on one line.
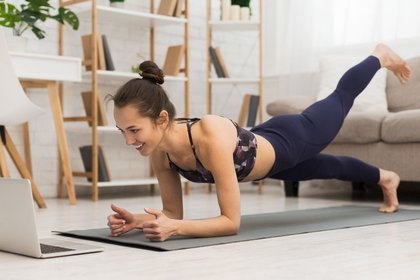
{"points": [[389, 251]]}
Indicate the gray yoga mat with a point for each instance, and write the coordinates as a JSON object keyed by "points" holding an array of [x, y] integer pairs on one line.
{"points": [[261, 226]]}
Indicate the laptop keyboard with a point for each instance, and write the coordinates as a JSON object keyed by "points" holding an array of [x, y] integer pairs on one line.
{"points": [[48, 249]]}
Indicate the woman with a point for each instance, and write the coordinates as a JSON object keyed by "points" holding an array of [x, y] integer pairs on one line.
{"points": [[284, 147]]}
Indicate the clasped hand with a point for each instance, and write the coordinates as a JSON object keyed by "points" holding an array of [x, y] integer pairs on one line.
{"points": [[158, 229]]}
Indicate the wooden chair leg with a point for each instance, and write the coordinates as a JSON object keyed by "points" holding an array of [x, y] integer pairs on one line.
{"points": [[4, 170], [27, 146], [23, 170], [62, 140], [60, 190]]}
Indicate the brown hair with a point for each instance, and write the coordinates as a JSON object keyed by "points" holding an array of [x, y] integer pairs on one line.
{"points": [[146, 93]]}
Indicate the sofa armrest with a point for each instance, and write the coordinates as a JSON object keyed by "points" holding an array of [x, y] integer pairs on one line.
{"points": [[289, 105]]}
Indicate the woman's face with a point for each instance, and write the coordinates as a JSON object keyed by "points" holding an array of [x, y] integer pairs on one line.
{"points": [[140, 132]]}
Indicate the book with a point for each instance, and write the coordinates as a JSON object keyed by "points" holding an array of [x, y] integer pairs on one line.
{"points": [[249, 110], [87, 104], [216, 63], [179, 8], [173, 60], [103, 170], [244, 110], [87, 52], [221, 62], [166, 7], [107, 53], [101, 55], [253, 110]]}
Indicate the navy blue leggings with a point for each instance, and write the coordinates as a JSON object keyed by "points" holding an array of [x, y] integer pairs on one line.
{"points": [[299, 139]]}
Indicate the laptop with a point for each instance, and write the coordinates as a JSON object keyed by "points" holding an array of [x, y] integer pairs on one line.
{"points": [[18, 231]]}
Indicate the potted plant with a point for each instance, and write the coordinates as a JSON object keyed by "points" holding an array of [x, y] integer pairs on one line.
{"points": [[243, 4], [31, 13], [117, 3]]}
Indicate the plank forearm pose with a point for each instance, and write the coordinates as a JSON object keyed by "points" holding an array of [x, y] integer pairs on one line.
{"points": [[215, 150]]}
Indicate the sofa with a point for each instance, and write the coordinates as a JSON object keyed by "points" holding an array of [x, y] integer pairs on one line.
{"points": [[389, 138]]}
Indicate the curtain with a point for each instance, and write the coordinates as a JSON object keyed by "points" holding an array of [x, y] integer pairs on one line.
{"points": [[298, 32]]}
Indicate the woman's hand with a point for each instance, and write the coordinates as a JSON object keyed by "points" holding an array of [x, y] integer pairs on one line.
{"points": [[121, 222], [161, 228]]}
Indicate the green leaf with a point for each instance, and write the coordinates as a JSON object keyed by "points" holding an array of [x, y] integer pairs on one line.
{"points": [[38, 32], [69, 17], [38, 5], [30, 13], [30, 17], [8, 15], [241, 3]]}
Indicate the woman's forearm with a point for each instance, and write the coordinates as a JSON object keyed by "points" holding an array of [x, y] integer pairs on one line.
{"points": [[217, 226]]}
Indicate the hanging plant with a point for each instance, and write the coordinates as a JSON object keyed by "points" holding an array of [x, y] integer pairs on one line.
{"points": [[31, 13]]}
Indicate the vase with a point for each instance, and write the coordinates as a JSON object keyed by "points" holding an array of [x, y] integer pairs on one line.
{"points": [[245, 13], [235, 12]]}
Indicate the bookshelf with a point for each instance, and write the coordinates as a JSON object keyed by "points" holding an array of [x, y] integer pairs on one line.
{"points": [[230, 27], [97, 14], [233, 26]]}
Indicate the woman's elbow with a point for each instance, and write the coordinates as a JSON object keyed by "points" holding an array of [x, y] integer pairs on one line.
{"points": [[234, 228]]}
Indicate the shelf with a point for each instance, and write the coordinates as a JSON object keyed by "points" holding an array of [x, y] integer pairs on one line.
{"points": [[233, 80], [118, 76], [55, 68], [126, 17], [123, 182], [234, 25]]}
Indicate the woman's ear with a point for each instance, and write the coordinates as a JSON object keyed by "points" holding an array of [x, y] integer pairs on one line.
{"points": [[163, 118]]}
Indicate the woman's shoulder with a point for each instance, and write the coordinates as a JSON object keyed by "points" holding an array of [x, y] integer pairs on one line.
{"points": [[216, 126], [214, 122], [215, 135]]}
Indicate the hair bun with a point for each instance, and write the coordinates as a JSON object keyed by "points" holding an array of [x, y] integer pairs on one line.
{"points": [[150, 71]]}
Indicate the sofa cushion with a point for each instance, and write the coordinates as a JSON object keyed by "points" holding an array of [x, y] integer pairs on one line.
{"points": [[289, 105], [361, 128], [404, 97], [373, 98], [402, 127]]}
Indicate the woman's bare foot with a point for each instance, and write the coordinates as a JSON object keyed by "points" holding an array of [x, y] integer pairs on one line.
{"points": [[392, 61], [389, 182]]}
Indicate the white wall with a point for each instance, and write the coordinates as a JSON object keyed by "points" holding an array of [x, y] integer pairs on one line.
{"points": [[126, 43]]}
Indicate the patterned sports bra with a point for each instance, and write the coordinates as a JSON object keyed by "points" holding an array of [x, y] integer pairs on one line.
{"points": [[243, 156]]}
